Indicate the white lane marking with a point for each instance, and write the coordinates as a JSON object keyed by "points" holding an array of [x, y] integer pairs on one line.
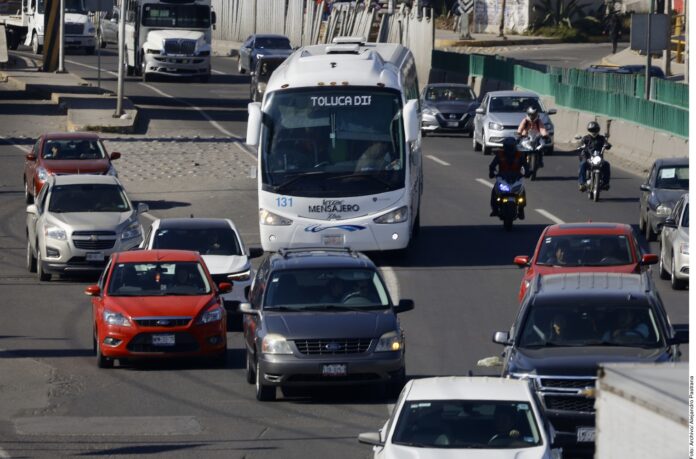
{"points": [[24, 149], [207, 117], [4, 454], [392, 282], [438, 160], [484, 182], [550, 216]]}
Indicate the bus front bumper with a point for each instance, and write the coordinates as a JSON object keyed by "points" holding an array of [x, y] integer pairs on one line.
{"points": [[183, 66]]}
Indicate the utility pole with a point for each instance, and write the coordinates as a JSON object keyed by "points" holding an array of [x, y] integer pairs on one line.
{"points": [[502, 20], [667, 55], [61, 52], [121, 59], [648, 51]]}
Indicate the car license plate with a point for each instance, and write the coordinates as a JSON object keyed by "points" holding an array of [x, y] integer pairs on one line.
{"points": [[334, 369], [94, 256], [452, 124], [332, 240], [163, 340], [586, 434]]}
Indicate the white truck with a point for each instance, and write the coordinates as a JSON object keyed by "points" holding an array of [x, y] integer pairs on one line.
{"points": [[24, 24], [169, 37], [642, 411]]}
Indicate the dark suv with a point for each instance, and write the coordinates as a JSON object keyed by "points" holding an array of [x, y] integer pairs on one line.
{"points": [[570, 323], [322, 317]]}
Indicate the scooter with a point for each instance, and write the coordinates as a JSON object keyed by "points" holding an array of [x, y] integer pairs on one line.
{"points": [[532, 146], [510, 198]]}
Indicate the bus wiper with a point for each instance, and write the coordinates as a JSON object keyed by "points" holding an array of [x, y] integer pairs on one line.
{"points": [[372, 177], [296, 178]]}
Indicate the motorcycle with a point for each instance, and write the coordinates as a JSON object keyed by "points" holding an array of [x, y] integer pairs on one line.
{"points": [[509, 198], [594, 178], [532, 145]]}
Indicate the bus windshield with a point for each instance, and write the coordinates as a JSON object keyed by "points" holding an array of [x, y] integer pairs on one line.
{"points": [[177, 16], [331, 142], [71, 6]]}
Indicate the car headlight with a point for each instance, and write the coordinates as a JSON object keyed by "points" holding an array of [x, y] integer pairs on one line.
{"points": [[399, 215], [684, 248], [211, 315], [55, 232], [389, 342], [42, 173], [595, 160], [153, 51], [271, 219], [663, 210], [430, 111], [240, 276], [261, 87], [115, 318], [111, 171], [495, 126], [132, 231], [275, 344]]}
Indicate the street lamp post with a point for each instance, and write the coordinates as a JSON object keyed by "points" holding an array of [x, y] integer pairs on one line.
{"points": [[121, 59], [61, 34]]}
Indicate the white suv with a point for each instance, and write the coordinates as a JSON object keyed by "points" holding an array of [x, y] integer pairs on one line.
{"points": [[77, 222]]}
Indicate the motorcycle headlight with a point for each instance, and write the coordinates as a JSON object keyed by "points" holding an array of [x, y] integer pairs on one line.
{"points": [[495, 126], [275, 344], [42, 173], [261, 87], [55, 232], [684, 248], [132, 231], [503, 187], [240, 276], [399, 215], [211, 315], [663, 210], [389, 342], [271, 219], [595, 160], [115, 318]]}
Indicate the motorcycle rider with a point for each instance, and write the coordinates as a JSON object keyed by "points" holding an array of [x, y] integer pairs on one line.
{"points": [[591, 142], [532, 122], [510, 163]]}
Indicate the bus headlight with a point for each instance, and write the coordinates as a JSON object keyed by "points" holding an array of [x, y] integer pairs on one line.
{"points": [[271, 219], [399, 215]]}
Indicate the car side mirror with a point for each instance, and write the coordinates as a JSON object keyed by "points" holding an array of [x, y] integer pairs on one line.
{"points": [[32, 209], [480, 111], [93, 290], [255, 252], [411, 121], [30, 157], [245, 308], [370, 438], [115, 155], [403, 306], [648, 259], [225, 287], [552, 111], [681, 334], [669, 223], [142, 208], [501, 337], [253, 124], [645, 187], [521, 260]]}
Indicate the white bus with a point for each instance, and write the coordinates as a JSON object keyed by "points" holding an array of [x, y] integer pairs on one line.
{"points": [[339, 158], [169, 37]]}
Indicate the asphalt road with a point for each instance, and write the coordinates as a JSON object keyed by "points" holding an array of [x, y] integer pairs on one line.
{"points": [[55, 402]]}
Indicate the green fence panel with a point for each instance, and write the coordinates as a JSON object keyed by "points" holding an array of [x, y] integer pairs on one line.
{"points": [[476, 64], [535, 80], [670, 92]]}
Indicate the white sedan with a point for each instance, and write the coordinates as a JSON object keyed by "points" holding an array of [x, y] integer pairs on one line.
{"points": [[464, 417]]}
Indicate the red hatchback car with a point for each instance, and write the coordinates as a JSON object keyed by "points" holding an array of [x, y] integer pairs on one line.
{"points": [[65, 153], [158, 303], [584, 247]]}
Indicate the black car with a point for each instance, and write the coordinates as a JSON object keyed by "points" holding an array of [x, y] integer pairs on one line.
{"points": [[655, 71], [667, 181], [448, 107], [322, 317], [570, 323], [265, 65], [261, 45]]}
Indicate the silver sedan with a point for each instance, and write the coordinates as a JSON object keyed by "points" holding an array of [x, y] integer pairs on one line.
{"points": [[674, 245]]}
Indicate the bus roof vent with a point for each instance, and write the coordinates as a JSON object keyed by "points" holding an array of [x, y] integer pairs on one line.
{"points": [[343, 49], [348, 41]]}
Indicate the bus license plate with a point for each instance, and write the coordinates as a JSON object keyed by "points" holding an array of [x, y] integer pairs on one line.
{"points": [[94, 256], [334, 369], [586, 434], [332, 240], [163, 340], [452, 124]]}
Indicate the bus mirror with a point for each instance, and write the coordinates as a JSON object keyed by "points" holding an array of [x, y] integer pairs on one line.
{"points": [[411, 122], [254, 124]]}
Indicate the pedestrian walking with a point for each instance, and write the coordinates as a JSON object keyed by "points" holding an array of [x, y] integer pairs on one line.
{"points": [[614, 25]]}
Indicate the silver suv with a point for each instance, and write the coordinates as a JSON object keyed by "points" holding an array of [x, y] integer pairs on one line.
{"points": [[77, 221]]}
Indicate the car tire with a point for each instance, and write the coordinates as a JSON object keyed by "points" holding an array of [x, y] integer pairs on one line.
{"points": [[649, 233], [28, 197], [476, 145], [41, 275], [677, 284], [263, 393], [31, 259], [102, 362], [250, 373], [239, 66]]}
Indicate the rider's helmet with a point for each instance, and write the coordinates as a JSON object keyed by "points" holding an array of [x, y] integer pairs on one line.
{"points": [[532, 113], [593, 128], [509, 146]]}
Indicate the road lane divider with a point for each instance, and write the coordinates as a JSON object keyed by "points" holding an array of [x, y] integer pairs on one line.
{"points": [[550, 216], [484, 182], [438, 160]]}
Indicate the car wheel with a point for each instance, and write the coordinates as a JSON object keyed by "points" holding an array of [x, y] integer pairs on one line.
{"points": [[31, 260], [649, 233], [677, 284], [239, 65], [250, 374], [28, 198], [102, 362], [476, 145], [40, 273], [263, 393]]}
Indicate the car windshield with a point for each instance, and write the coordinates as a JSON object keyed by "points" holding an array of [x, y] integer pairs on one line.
{"points": [[88, 198], [206, 241], [449, 93], [182, 16], [629, 324], [685, 218], [673, 178], [272, 43], [158, 279], [511, 104], [453, 424], [71, 6], [73, 149], [326, 288], [585, 250], [333, 142]]}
